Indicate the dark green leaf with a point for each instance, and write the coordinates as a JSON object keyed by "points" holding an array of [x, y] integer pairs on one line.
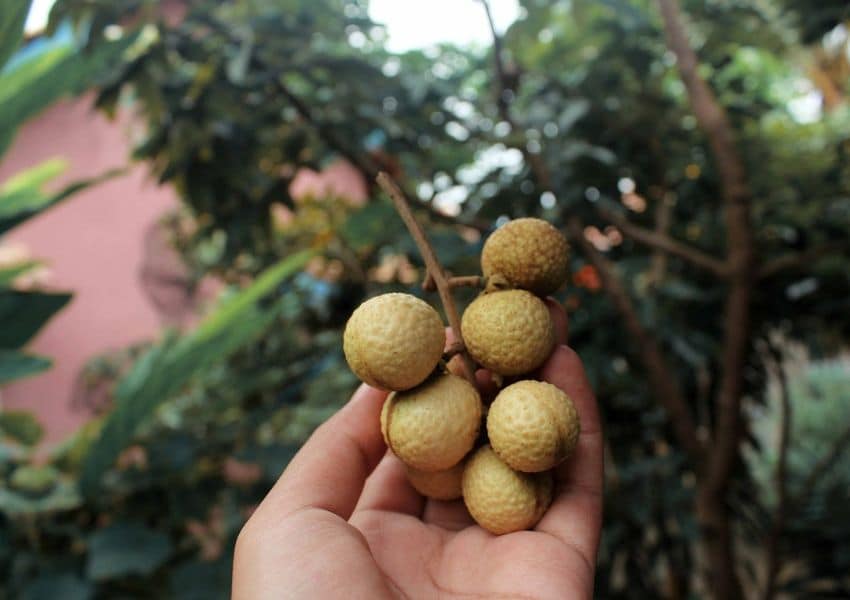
{"points": [[16, 365], [13, 15], [126, 548], [24, 313], [66, 586]]}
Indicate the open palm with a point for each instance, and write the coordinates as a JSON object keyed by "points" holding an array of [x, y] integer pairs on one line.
{"points": [[337, 525]]}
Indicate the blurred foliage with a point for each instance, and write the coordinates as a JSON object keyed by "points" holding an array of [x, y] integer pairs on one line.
{"points": [[23, 93], [237, 99]]}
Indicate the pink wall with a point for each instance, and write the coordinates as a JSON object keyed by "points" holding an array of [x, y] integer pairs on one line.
{"points": [[93, 246]]}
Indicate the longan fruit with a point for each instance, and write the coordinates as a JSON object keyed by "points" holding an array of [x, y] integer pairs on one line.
{"points": [[530, 254], [533, 426], [394, 341], [509, 332]]}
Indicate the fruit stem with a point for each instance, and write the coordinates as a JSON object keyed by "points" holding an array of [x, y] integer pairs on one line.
{"points": [[476, 281], [435, 270]]}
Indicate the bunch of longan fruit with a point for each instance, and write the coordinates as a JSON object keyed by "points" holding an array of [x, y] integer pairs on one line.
{"points": [[431, 419]]}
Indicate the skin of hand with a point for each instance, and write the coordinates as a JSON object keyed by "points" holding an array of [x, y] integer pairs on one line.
{"points": [[343, 522]]}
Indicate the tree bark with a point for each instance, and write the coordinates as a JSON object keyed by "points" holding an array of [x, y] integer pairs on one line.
{"points": [[713, 483]]}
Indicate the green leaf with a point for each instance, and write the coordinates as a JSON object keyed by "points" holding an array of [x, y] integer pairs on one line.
{"points": [[13, 15], [8, 274], [67, 586], [371, 225], [24, 313], [22, 196], [37, 82], [17, 365], [126, 548], [63, 496], [166, 369], [21, 426], [201, 580]]}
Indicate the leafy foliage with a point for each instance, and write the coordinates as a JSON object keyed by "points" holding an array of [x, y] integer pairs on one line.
{"points": [[238, 98]]}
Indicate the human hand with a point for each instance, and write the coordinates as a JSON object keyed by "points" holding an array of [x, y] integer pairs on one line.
{"points": [[343, 521]]}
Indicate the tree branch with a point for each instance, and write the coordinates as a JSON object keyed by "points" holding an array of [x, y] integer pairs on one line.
{"points": [[432, 264], [663, 220], [664, 387], [740, 259], [663, 242], [364, 163], [736, 196], [795, 260]]}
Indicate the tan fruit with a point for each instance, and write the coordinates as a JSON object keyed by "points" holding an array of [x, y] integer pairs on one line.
{"points": [[394, 341], [434, 425], [533, 426], [530, 253], [509, 332], [501, 499], [439, 485]]}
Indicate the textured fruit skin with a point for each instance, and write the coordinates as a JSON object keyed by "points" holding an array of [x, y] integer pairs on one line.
{"points": [[501, 499], [434, 425], [533, 426], [509, 332], [530, 253], [394, 341], [439, 485]]}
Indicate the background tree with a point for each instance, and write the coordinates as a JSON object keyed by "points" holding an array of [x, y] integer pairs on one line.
{"points": [[709, 221]]}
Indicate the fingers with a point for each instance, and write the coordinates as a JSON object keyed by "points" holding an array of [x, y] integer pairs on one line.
{"points": [[388, 489], [575, 516], [559, 320], [330, 469]]}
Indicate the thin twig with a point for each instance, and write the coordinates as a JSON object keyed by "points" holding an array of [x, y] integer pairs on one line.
{"points": [[664, 387], [431, 262], [475, 281], [801, 259], [453, 350], [362, 161], [774, 538], [663, 221], [663, 242]]}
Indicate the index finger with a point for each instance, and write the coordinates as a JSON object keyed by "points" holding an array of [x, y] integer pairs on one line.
{"points": [[575, 516]]}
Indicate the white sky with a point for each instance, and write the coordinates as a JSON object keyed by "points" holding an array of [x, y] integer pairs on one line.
{"points": [[37, 19], [420, 23], [410, 23]]}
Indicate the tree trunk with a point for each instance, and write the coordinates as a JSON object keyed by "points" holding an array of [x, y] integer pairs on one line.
{"points": [[721, 577]]}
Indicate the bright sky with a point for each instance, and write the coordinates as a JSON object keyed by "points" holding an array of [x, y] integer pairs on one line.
{"points": [[410, 23], [37, 19], [417, 24]]}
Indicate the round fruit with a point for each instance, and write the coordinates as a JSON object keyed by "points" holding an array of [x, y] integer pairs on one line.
{"points": [[439, 485], [434, 425], [533, 426], [394, 341], [530, 253], [509, 332], [500, 499]]}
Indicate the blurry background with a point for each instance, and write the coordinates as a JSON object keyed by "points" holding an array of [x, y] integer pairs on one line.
{"points": [[170, 327]]}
